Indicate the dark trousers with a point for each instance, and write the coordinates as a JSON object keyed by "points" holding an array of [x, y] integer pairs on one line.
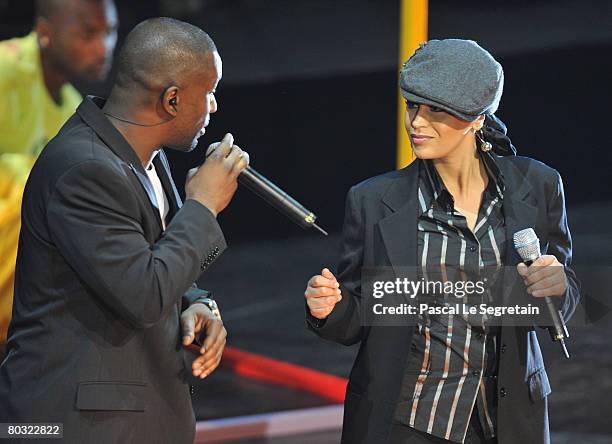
{"points": [[402, 434]]}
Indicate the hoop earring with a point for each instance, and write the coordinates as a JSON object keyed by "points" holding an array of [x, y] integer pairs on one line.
{"points": [[484, 145]]}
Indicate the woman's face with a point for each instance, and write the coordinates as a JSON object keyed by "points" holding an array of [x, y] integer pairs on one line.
{"points": [[435, 134]]}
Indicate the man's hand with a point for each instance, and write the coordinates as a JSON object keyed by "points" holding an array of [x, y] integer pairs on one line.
{"points": [[214, 183], [322, 294], [545, 277], [195, 319]]}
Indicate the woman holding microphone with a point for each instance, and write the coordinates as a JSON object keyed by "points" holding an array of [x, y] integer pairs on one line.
{"points": [[448, 378]]}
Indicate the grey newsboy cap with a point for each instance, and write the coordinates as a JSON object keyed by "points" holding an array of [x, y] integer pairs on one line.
{"points": [[456, 75]]}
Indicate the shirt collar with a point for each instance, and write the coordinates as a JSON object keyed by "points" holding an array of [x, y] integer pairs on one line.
{"points": [[150, 165], [435, 190], [496, 182]]}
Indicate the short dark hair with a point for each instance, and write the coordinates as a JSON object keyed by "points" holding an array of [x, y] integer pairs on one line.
{"points": [[159, 51], [50, 8]]}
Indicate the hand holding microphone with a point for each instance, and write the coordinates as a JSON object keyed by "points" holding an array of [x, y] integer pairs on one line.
{"points": [[544, 277], [214, 183]]}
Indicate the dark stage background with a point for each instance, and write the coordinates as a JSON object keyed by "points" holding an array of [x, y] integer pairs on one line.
{"points": [[309, 90]]}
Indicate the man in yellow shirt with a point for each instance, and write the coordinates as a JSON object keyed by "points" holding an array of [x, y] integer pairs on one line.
{"points": [[73, 40]]}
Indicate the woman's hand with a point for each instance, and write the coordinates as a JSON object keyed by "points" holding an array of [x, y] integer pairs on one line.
{"points": [[322, 294], [545, 277]]}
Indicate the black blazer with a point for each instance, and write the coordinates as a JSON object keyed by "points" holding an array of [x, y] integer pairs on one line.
{"points": [[380, 229], [94, 341]]}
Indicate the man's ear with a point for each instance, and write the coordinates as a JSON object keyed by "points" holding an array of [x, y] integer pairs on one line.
{"points": [[170, 100], [44, 32]]}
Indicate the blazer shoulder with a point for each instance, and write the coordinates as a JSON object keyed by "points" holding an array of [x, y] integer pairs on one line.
{"points": [[76, 144], [378, 185], [533, 170], [79, 157]]}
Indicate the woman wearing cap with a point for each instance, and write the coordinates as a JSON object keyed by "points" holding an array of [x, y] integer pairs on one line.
{"points": [[448, 377]]}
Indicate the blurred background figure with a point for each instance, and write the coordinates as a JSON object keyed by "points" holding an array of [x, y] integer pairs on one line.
{"points": [[72, 41]]}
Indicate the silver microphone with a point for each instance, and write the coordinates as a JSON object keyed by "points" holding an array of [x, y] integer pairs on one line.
{"points": [[527, 245]]}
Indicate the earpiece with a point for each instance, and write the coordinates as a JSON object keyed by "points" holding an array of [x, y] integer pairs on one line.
{"points": [[173, 101]]}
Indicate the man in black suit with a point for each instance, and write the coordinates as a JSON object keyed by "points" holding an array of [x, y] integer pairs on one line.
{"points": [[445, 378], [108, 253]]}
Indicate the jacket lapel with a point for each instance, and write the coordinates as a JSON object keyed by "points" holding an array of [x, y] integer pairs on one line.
{"points": [[399, 229], [148, 187], [90, 110], [518, 214], [162, 166]]}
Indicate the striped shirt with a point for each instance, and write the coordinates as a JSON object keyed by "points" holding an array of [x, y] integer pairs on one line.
{"points": [[453, 364]]}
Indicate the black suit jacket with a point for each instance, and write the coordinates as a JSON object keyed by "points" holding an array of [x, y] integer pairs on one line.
{"points": [[380, 230], [94, 341]]}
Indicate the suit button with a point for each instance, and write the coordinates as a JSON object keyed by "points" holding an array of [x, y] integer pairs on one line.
{"points": [[191, 389], [476, 373], [503, 348], [472, 248], [503, 392]]}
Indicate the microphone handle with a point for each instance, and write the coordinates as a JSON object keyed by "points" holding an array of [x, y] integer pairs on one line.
{"points": [[278, 199], [558, 331]]}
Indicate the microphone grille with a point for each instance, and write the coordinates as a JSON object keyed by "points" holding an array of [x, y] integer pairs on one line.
{"points": [[527, 244]]}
